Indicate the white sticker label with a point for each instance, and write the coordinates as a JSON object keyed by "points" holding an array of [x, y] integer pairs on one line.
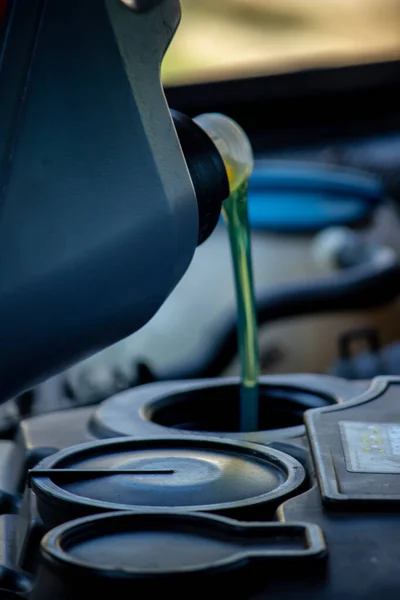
{"points": [[371, 447]]}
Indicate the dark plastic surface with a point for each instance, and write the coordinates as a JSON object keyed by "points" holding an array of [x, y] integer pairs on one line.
{"points": [[362, 471], [362, 530], [94, 188], [157, 544], [218, 409], [141, 5], [61, 429], [11, 576], [188, 473], [134, 551], [364, 552], [212, 406], [213, 552]]}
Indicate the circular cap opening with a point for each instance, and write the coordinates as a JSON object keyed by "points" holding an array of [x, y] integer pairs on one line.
{"points": [[168, 553], [188, 473], [137, 543], [216, 409]]}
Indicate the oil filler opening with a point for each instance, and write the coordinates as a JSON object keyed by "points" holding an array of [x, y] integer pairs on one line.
{"points": [[217, 408]]}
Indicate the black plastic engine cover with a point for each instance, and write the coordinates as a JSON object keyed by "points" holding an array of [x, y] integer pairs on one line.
{"points": [[312, 513]]}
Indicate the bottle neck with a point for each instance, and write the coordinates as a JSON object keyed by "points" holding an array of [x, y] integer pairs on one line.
{"points": [[207, 172]]}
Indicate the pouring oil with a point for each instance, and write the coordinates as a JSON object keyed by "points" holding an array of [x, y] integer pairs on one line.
{"points": [[236, 152]]}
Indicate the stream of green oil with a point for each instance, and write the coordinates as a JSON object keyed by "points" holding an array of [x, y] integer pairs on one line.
{"points": [[235, 213]]}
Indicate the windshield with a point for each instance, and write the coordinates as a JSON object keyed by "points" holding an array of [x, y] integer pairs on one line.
{"points": [[221, 39]]}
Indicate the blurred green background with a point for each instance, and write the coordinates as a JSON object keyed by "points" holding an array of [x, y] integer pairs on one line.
{"points": [[220, 39]]}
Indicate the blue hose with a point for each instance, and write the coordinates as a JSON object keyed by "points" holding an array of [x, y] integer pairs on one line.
{"points": [[295, 197]]}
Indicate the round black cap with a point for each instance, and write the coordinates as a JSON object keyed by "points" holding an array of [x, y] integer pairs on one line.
{"points": [[187, 474], [207, 172]]}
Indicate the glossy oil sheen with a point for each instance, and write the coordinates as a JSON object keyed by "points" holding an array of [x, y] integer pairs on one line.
{"points": [[235, 213]]}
